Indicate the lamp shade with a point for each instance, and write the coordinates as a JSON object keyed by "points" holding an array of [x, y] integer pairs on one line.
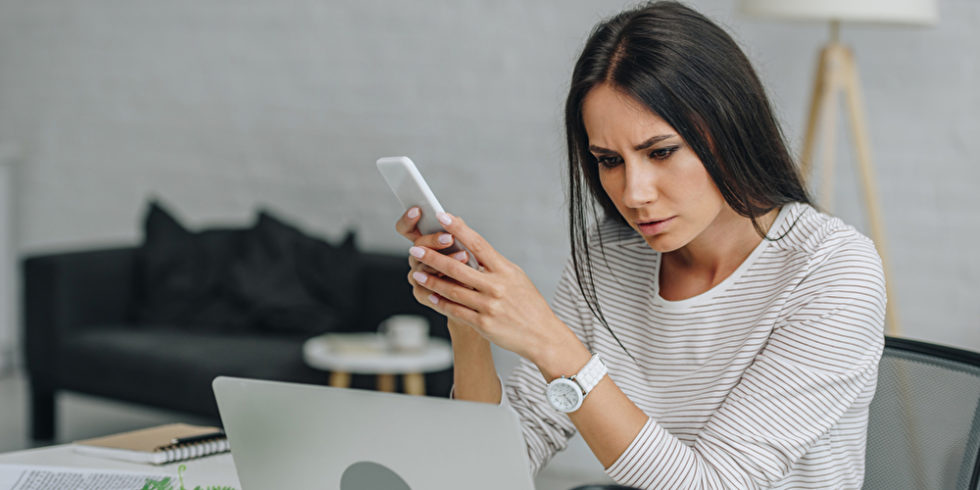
{"points": [[923, 12]]}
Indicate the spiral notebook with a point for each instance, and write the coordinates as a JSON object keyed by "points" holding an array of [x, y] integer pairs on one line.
{"points": [[157, 445]]}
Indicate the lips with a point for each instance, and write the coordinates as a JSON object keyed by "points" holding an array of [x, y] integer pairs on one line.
{"points": [[653, 227]]}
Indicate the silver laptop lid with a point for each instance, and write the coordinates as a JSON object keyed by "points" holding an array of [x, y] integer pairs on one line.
{"points": [[288, 435]]}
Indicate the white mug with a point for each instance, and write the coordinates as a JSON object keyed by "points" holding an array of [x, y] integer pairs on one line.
{"points": [[405, 333]]}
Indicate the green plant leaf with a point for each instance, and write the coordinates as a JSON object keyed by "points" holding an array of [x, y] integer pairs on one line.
{"points": [[164, 484]]}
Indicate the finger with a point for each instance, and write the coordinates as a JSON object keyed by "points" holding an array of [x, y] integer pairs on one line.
{"points": [[450, 290], [428, 271], [446, 307], [406, 226], [436, 241], [481, 249], [415, 265], [460, 256], [426, 297], [451, 267]]}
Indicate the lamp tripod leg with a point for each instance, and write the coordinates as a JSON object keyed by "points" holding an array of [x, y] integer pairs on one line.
{"points": [[813, 117], [822, 123], [852, 90], [837, 72]]}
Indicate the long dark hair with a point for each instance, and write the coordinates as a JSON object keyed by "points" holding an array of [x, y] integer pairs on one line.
{"points": [[691, 73]]}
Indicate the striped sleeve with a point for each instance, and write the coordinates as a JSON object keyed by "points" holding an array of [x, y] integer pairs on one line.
{"points": [[546, 431], [811, 377]]}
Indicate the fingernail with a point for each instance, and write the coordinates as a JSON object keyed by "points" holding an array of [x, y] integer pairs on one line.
{"points": [[445, 239], [445, 219], [460, 256], [416, 252], [413, 213], [420, 277], [434, 299]]}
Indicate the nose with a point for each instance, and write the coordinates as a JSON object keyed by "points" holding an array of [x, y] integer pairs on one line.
{"points": [[640, 186]]}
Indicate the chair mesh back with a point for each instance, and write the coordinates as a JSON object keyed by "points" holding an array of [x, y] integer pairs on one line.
{"points": [[923, 427]]}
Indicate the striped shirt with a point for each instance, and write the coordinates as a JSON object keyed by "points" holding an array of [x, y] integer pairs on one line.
{"points": [[763, 381]]}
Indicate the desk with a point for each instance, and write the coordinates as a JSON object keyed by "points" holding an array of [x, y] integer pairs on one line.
{"points": [[218, 469]]}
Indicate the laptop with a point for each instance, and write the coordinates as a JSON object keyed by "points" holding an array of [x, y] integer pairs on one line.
{"points": [[288, 435]]}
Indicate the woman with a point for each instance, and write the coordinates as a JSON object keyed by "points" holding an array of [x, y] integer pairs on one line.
{"points": [[724, 333]]}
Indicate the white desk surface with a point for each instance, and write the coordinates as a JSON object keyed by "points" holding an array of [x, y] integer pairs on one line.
{"points": [[208, 471], [218, 469]]}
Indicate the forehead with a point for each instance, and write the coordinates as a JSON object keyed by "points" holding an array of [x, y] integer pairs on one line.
{"points": [[610, 114]]}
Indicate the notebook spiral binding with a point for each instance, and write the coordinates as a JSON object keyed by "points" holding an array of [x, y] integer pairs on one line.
{"points": [[181, 452]]}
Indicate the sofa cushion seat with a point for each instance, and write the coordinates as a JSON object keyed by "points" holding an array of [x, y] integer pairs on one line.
{"points": [[174, 366]]}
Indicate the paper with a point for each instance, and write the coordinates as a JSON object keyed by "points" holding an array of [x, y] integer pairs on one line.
{"points": [[26, 477]]}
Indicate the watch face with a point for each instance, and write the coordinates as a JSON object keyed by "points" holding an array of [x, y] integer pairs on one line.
{"points": [[564, 395]]}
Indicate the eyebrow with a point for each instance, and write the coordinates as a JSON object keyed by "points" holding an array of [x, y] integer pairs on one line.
{"points": [[642, 146]]}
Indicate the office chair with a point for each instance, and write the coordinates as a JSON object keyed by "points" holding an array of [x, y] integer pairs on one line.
{"points": [[924, 426]]}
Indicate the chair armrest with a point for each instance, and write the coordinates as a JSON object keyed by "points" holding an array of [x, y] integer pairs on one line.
{"points": [[66, 292], [385, 291]]}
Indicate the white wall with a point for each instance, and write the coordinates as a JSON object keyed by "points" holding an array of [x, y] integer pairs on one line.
{"points": [[220, 106], [9, 333]]}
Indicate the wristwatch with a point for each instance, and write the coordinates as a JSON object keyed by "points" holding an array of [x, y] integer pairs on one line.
{"points": [[567, 394]]}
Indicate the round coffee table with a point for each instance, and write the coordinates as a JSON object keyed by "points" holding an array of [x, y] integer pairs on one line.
{"points": [[366, 353]]}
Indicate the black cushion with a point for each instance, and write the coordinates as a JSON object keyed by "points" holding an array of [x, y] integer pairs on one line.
{"points": [[293, 282], [270, 277], [182, 275]]}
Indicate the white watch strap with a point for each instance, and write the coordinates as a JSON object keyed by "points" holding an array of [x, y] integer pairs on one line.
{"points": [[591, 374]]}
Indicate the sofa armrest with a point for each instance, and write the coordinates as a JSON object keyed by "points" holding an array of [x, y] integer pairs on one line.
{"points": [[385, 291], [71, 291]]}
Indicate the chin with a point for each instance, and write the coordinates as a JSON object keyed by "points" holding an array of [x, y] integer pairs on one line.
{"points": [[663, 244]]}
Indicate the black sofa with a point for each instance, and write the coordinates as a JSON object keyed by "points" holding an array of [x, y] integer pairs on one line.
{"points": [[83, 334]]}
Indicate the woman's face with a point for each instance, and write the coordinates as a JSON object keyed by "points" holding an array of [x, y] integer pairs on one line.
{"points": [[656, 181]]}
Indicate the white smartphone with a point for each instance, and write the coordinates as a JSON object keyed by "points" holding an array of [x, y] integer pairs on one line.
{"points": [[411, 189]]}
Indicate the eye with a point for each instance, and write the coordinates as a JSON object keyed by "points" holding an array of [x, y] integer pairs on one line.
{"points": [[609, 161], [663, 153]]}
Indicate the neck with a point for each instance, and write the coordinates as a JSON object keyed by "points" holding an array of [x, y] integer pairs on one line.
{"points": [[723, 246]]}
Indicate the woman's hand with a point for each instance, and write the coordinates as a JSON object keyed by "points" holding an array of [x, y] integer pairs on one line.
{"points": [[474, 373], [407, 227], [499, 301]]}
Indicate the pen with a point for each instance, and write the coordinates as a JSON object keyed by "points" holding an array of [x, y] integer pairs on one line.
{"points": [[202, 437]]}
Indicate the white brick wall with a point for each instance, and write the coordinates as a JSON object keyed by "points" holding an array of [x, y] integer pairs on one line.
{"points": [[222, 106], [9, 333]]}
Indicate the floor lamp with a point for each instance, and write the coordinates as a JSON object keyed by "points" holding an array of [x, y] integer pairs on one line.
{"points": [[836, 75]]}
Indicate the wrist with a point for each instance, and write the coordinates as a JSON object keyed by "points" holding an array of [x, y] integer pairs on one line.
{"points": [[564, 356], [464, 333], [474, 374]]}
